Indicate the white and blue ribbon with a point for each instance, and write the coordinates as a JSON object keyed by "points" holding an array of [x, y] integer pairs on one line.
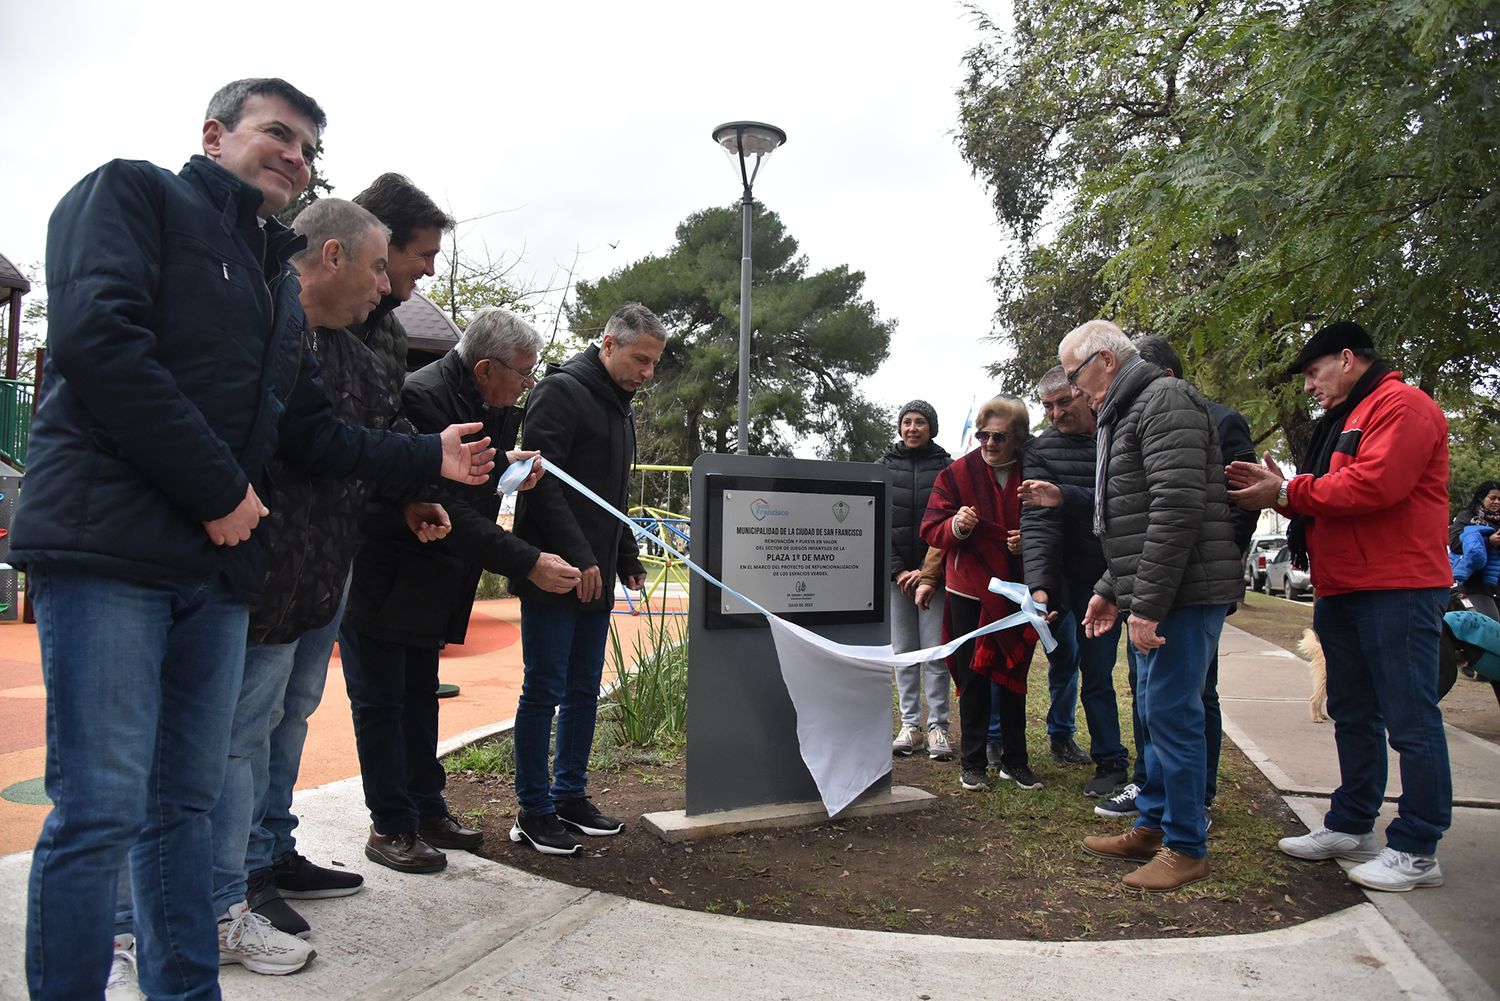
{"points": [[827, 707]]}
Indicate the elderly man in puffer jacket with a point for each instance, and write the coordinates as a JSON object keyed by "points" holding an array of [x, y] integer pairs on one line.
{"points": [[1162, 514]]}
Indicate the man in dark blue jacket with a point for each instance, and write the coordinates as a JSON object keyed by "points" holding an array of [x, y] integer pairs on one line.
{"points": [[175, 370], [579, 418]]}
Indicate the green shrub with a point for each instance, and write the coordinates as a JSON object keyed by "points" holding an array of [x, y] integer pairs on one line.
{"points": [[491, 585], [647, 706]]}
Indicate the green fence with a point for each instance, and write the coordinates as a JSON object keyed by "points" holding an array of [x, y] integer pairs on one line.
{"points": [[15, 420]]}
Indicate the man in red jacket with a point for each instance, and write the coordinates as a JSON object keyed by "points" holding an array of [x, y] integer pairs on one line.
{"points": [[1369, 507]]}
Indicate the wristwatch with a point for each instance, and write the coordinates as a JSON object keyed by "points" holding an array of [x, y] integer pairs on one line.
{"points": [[1282, 500]]}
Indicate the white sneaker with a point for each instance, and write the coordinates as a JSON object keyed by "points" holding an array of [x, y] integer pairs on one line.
{"points": [[938, 748], [252, 941], [123, 984], [1321, 843], [1397, 871], [908, 740]]}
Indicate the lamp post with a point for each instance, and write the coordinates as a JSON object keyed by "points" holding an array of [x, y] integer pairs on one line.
{"points": [[739, 140]]}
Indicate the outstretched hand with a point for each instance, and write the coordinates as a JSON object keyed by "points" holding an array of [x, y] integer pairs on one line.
{"points": [[1254, 487], [466, 461], [1040, 493]]}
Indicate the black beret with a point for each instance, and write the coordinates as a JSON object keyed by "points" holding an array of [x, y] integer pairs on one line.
{"points": [[1330, 341]]}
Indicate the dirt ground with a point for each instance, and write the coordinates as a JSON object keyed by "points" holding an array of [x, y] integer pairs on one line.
{"points": [[1002, 864]]}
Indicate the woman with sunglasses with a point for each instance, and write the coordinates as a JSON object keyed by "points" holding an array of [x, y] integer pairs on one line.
{"points": [[974, 507]]}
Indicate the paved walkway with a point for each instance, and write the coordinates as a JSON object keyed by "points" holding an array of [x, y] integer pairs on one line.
{"points": [[483, 930]]}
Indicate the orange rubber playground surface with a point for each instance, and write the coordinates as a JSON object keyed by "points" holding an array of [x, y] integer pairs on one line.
{"points": [[487, 669]]}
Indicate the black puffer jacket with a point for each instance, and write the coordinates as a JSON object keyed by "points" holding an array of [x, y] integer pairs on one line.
{"points": [[421, 594], [1061, 554], [579, 419], [913, 471], [1168, 537], [175, 371], [312, 531]]}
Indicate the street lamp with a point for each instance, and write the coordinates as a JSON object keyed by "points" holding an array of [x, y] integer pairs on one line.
{"points": [[741, 140]]}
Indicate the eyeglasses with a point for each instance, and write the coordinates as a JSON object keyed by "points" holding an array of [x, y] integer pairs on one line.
{"points": [[530, 373], [983, 437], [1073, 375]]}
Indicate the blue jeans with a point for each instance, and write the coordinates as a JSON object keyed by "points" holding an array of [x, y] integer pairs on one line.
{"points": [[914, 628], [1213, 728], [1094, 661], [141, 684], [1169, 695], [393, 695], [563, 649], [1382, 653], [253, 822]]}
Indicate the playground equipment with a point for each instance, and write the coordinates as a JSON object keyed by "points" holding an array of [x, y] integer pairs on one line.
{"points": [[665, 574]]}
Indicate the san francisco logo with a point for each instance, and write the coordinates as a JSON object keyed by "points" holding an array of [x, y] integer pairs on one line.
{"points": [[760, 510]]}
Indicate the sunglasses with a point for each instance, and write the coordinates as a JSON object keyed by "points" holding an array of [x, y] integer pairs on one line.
{"points": [[983, 437]]}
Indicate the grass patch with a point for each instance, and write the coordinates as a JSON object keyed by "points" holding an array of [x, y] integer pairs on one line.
{"points": [[1274, 620]]}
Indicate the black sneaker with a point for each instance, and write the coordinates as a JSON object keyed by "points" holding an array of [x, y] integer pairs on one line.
{"points": [[262, 897], [581, 816], [1022, 775], [447, 832], [973, 781], [1107, 780], [545, 833], [1066, 752], [298, 879], [1121, 804]]}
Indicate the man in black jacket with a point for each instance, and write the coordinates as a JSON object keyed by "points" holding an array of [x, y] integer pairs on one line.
{"points": [[408, 598], [1162, 514], [174, 372], [1063, 560], [578, 418]]}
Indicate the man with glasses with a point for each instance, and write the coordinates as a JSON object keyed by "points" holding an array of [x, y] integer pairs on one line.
{"points": [[1063, 560], [1162, 514], [407, 599]]}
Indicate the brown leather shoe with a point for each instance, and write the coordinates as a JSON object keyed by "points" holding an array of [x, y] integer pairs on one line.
{"points": [[447, 832], [1169, 870], [1138, 844], [404, 852]]}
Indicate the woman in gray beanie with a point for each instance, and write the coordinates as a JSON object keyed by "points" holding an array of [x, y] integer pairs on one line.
{"points": [[915, 461]]}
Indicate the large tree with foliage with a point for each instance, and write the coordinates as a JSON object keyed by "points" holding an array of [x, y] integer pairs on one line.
{"points": [[1234, 173], [814, 338]]}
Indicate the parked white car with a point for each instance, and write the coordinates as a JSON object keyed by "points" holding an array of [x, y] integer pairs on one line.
{"points": [[1262, 549], [1284, 579]]}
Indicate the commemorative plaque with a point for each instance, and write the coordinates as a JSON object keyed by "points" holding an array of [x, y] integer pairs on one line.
{"points": [[808, 541]]}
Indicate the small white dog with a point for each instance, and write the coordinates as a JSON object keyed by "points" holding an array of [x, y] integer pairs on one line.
{"points": [[1311, 648]]}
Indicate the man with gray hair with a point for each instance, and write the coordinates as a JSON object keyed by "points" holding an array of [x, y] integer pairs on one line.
{"points": [[579, 418], [1162, 514], [407, 599], [1063, 560]]}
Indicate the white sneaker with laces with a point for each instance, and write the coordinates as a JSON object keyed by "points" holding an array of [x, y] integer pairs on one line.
{"points": [[1321, 843], [252, 941], [938, 748], [1397, 871], [123, 985], [908, 740]]}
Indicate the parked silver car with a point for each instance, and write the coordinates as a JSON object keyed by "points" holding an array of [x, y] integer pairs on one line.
{"points": [[1262, 549], [1284, 579]]}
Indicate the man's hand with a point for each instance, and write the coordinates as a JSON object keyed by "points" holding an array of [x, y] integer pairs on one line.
{"points": [[1040, 597], [965, 520], [1100, 617], [553, 573], [1013, 540], [589, 586], [236, 526], [427, 521], [1255, 487], [636, 581], [1143, 633], [1040, 493], [516, 455], [907, 580], [924, 596], [466, 461]]}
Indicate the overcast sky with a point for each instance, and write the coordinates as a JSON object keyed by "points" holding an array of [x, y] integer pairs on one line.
{"points": [[580, 125]]}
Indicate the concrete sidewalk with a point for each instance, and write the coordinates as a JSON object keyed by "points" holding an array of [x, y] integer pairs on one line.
{"points": [[483, 930]]}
